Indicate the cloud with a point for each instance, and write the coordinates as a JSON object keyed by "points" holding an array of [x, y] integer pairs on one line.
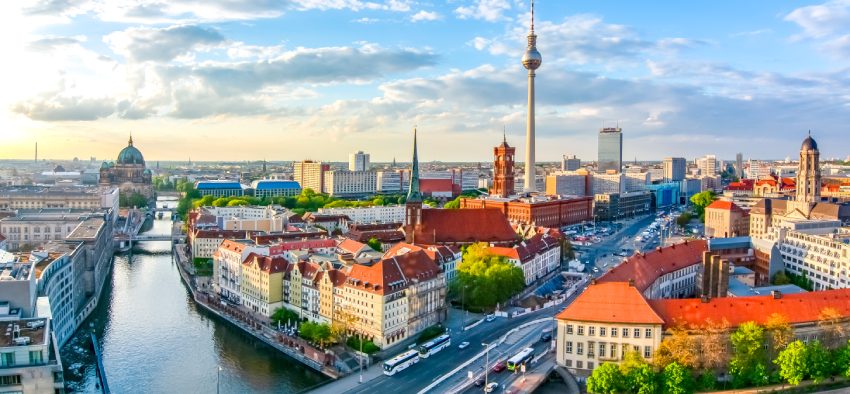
{"points": [[823, 19], [425, 16], [161, 45], [64, 108], [47, 44], [488, 10]]}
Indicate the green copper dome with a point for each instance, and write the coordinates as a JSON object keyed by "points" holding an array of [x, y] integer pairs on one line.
{"points": [[130, 155]]}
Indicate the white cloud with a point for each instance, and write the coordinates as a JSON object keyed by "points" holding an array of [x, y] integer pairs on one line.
{"points": [[827, 24], [488, 10], [425, 16], [162, 45]]}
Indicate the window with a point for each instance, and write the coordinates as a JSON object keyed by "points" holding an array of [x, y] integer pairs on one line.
{"points": [[579, 364], [601, 349], [569, 363], [580, 330], [625, 333], [36, 357], [569, 329], [591, 331], [7, 359], [637, 333], [569, 347], [647, 351], [614, 332], [613, 350], [648, 333], [602, 331], [590, 365], [590, 349], [579, 348], [10, 380]]}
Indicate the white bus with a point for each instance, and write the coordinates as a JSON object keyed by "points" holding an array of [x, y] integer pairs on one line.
{"points": [[521, 358], [400, 362], [435, 345]]}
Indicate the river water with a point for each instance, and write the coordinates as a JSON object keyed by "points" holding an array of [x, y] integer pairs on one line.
{"points": [[154, 338]]}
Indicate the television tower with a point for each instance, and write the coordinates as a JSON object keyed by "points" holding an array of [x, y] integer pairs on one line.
{"points": [[531, 60]]}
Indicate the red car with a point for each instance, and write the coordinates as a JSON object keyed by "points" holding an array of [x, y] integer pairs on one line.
{"points": [[499, 367]]}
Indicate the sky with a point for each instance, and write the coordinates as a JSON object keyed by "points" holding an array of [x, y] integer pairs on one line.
{"points": [[318, 79]]}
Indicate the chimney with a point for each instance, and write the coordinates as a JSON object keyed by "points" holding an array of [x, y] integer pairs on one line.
{"points": [[631, 283], [593, 281], [705, 299], [776, 294], [658, 249]]}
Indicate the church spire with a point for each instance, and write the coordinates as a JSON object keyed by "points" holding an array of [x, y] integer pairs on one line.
{"points": [[413, 195], [131, 140]]}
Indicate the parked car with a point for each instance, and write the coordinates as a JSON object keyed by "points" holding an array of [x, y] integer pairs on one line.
{"points": [[499, 367], [491, 387], [463, 345]]}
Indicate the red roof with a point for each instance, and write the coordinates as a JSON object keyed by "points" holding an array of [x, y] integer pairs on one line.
{"points": [[611, 302], [724, 205], [743, 185], [351, 246], [797, 308], [646, 268], [463, 226], [393, 274], [269, 265], [428, 186]]}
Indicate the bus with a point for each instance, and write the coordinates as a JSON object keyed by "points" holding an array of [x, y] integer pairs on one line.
{"points": [[433, 346], [521, 358], [400, 362]]}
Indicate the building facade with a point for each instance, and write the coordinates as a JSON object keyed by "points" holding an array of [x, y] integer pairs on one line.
{"points": [[365, 215], [268, 188], [310, 174], [503, 170], [576, 183], [546, 212], [128, 173], [724, 219], [610, 149], [358, 161], [674, 168], [570, 163], [350, 183]]}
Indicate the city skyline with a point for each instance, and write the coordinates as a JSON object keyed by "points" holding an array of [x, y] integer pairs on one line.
{"points": [[322, 79]]}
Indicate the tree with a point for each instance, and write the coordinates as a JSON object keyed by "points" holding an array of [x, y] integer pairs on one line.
{"points": [[747, 366], [684, 219], [677, 379], [567, 251], [134, 199], [793, 363], [374, 244], [819, 360], [488, 278], [643, 380], [701, 200], [780, 279], [841, 359], [779, 332], [237, 203], [606, 378], [830, 322], [679, 347], [714, 345], [453, 204], [284, 316]]}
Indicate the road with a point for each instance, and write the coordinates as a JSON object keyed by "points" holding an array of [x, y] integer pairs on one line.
{"points": [[420, 375], [506, 378]]}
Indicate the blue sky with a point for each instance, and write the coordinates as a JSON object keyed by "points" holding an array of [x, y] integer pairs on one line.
{"points": [[296, 79]]}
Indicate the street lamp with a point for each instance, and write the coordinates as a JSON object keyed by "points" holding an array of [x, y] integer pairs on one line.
{"points": [[217, 379], [360, 356]]}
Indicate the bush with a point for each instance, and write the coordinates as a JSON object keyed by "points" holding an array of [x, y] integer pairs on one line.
{"points": [[369, 347], [203, 267], [284, 316], [430, 333]]}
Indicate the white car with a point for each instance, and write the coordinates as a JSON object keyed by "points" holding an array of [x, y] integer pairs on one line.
{"points": [[491, 387], [463, 345]]}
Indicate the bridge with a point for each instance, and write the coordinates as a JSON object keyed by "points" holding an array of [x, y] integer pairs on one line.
{"points": [[148, 237]]}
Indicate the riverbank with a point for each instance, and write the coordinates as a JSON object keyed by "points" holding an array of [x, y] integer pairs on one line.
{"points": [[294, 347]]}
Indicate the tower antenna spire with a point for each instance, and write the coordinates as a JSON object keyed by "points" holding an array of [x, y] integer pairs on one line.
{"points": [[505, 134], [532, 15]]}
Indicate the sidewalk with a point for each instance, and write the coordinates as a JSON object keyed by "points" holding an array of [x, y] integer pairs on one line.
{"points": [[534, 378]]}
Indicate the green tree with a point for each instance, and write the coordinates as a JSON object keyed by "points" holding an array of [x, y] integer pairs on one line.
{"points": [[374, 243], [643, 380], [748, 364], [819, 360], [841, 358], [284, 316], [567, 251], [793, 363], [701, 200], [780, 278], [606, 378], [488, 278], [684, 219], [677, 379], [453, 204], [236, 203]]}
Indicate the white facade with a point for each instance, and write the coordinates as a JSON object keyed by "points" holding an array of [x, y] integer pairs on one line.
{"points": [[392, 181], [707, 165], [341, 183], [607, 183], [358, 161], [636, 181], [377, 214], [227, 268], [820, 252], [567, 184]]}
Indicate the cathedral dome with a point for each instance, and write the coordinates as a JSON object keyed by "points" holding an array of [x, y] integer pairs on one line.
{"points": [[131, 155], [809, 144]]}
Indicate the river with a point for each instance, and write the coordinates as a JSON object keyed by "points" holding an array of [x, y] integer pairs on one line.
{"points": [[154, 338]]}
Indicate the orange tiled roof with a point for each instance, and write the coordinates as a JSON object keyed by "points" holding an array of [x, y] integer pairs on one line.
{"points": [[611, 302], [392, 274], [269, 265], [724, 205], [351, 246], [797, 308], [645, 268]]}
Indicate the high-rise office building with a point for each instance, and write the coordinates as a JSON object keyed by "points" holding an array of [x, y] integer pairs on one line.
{"points": [[358, 161], [739, 165], [707, 165], [610, 149], [674, 168], [570, 163], [310, 174]]}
